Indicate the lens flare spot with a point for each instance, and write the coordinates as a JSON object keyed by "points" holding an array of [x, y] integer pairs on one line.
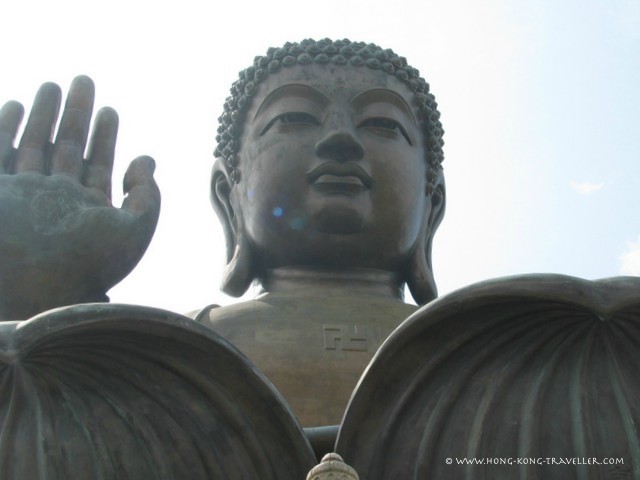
{"points": [[297, 223], [277, 212]]}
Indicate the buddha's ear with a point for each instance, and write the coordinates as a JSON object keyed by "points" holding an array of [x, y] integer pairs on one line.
{"points": [[421, 281], [239, 272]]}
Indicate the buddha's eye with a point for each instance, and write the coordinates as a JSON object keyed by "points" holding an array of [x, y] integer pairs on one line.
{"points": [[381, 122], [297, 117], [385, 126], [291, 120]]}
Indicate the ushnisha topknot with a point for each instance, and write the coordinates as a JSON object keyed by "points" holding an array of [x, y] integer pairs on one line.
{"points": [[336, 52]]}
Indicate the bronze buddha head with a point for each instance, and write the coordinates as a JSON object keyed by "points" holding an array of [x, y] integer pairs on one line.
{"points": [[329, 155]]}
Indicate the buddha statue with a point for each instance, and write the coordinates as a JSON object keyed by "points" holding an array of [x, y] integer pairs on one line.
{"points": [[329, 186], [328, 182]]}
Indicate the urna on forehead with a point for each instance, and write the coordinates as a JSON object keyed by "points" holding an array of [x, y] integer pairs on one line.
{"points": [[328, 52]]}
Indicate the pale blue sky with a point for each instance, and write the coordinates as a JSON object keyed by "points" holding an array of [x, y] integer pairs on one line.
{"points": [[539, 101], [582, 137]]}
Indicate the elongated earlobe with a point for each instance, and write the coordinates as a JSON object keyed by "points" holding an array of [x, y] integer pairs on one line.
{"points": [[239, 272], [421, 281]]}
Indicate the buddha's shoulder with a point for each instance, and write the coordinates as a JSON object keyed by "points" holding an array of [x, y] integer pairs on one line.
{"points": [[278, 308], [216, 313]]}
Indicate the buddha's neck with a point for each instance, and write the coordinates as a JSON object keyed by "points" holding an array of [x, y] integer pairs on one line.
{"points": [[314, 280]]}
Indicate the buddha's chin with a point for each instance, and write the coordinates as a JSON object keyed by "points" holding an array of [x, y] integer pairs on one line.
{"points": [[340, 214], [341, 221]]}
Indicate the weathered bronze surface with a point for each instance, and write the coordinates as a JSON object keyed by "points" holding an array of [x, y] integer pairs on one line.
{"points": [[330, 155], [541, 368], [329, 185], [114, 391], [61, 241], [314, 333], [331, 201]]}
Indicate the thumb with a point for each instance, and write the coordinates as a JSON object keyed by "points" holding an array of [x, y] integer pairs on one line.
{"points": [[142, 193]]}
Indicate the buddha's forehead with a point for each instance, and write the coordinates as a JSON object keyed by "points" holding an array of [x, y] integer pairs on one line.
{"points": [[338, 83]]}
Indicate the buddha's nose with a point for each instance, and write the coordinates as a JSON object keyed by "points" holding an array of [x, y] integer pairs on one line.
{"points": [[340, 143]]}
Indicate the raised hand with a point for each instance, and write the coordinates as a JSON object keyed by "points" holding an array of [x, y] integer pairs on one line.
{"points": [[61, 240]]}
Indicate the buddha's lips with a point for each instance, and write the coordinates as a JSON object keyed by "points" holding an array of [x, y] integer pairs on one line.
{"points": [[340, 173]]}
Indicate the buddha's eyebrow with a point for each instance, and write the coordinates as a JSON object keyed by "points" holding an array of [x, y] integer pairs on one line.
{"points": [[382, 95], [292, 90]]}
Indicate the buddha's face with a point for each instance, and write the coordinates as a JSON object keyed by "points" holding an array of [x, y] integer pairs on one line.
{"points": [[333, 169]]}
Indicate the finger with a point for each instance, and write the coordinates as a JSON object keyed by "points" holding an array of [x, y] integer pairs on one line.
{"points": [[102, 147], [10, 117], [34, 145], [143, 195], [74, 128]]}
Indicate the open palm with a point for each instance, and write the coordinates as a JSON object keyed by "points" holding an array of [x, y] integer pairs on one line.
{"points": [[61, 240]]}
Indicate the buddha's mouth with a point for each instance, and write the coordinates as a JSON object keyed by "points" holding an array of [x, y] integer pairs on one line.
{"points": [[349, 178], [339, 184]]}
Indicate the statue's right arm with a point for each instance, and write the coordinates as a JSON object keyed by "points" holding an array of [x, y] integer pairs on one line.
{"points": [[61, 240]]}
